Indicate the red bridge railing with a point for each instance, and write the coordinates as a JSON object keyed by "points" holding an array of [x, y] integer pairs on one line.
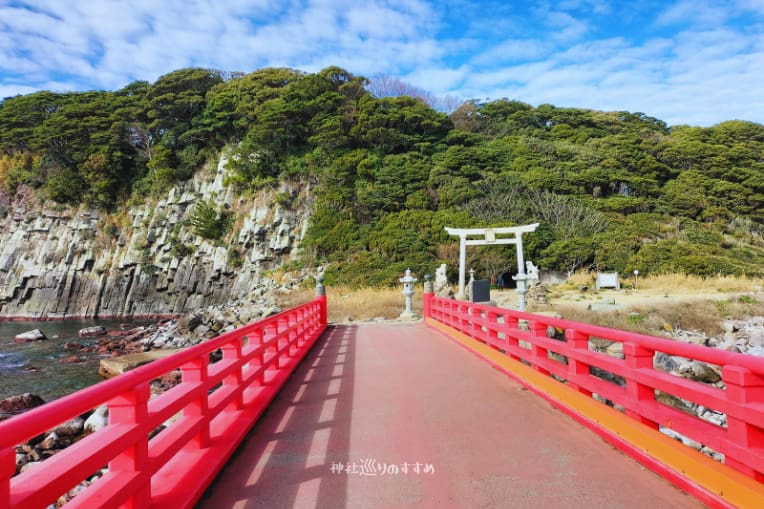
{"points": [[206, 417], [630, 383]]}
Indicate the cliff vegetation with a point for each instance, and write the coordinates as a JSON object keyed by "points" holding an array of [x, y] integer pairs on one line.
{"points": [[381, 175]]}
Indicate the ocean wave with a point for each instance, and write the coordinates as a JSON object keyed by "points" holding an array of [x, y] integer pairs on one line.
{"points": [[7, 366]]}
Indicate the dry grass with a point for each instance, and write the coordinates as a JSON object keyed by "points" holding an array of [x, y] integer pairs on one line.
{"points": [[358, 305], [668, 283], [704, 315], [694, 304]]}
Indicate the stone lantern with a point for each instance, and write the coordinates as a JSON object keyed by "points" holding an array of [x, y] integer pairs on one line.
{"points": [[408, 292]]}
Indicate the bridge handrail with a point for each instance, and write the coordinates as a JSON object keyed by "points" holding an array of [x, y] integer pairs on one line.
{"points": [[205, 417], [629, 382]]}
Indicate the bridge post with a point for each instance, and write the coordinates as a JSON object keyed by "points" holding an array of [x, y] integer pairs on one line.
{"points": [[539, 354], [321, 298], [131, 408], [429, 293], [577, 370], [232, 352], [7, 469], [195, 372], [638, 357], [743, 388]]}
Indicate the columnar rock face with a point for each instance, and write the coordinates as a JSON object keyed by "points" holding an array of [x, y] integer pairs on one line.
{"points": [[145, 262]]}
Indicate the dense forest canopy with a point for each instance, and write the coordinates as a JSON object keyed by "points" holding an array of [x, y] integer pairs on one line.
{"points": [[612, 190]]}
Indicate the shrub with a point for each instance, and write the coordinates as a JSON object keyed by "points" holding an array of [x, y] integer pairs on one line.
{"points": [[208, 222]]}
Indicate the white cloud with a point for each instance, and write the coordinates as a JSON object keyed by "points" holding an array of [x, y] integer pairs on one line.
{"points": [[438, 81], [565, 27], [513, 50], [559, 52], [596, 6], [696, 12]]}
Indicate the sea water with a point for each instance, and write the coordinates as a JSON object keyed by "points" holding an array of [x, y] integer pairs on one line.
{"points": [[36, 367]]}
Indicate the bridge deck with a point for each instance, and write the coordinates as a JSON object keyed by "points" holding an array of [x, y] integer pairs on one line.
{"points": [[373, 396]]}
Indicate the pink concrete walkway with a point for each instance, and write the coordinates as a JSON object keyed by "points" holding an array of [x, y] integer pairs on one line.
{"points": [[385, 398]]}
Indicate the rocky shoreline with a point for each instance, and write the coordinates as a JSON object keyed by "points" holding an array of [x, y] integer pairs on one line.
{"points": [[54, 318], [188, 330]]}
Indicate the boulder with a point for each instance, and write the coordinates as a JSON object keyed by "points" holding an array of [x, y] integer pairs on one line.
{"points": [[29, 336], [28, 466], [677, 436], [690, 336], [21, 460], [18, 404], [89, 332], [50, 442], [70, 428], [664, 362], [97, 420], [188, 323], [615, 350], [117, 365], [699, 371]]}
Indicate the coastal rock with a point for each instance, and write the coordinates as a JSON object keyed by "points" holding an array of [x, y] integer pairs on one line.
{"points": [[50, 442], [21, 460], [189, 322], [97, 420], [70, 428], [117, 365], [664, 362], [89, 332], [690, 336], [29, 336], [699, 371], [711, 416], [28, 466], [19, 404], [165, 382]]}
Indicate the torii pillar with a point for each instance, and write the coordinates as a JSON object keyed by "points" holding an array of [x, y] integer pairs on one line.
{"points": [[489, 237]]}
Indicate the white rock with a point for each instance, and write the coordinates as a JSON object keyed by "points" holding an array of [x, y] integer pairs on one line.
{"points": [[29, 465], [21, 460], [758, 351], [678, 436], [712, 454], [97, 420], [714, 418], [50, 442], [32, 335]]}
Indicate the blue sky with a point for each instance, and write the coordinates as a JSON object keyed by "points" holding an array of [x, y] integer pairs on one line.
{"points": [[696, 62]]}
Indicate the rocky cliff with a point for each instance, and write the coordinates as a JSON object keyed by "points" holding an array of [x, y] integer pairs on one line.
{"points": [[145, 261]]}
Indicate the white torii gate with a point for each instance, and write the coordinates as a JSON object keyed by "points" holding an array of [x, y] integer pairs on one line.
{"points": [[489, 237]]}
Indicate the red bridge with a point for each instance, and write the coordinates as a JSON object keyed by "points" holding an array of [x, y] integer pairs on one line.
{"points": [[296, 414]]}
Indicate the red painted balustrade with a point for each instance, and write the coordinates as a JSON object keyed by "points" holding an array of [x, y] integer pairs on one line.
{"points": [[631, 382], [206, 417]]}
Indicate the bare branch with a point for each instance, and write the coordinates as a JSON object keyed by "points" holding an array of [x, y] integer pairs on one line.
{"points": [[568, 217]]}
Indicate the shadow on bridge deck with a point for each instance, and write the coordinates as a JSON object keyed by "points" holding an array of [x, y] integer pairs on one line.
{"points": [[414, 420]]}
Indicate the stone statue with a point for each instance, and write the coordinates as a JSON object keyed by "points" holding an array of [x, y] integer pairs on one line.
{"points": [[532, 271], [440, 277]]}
